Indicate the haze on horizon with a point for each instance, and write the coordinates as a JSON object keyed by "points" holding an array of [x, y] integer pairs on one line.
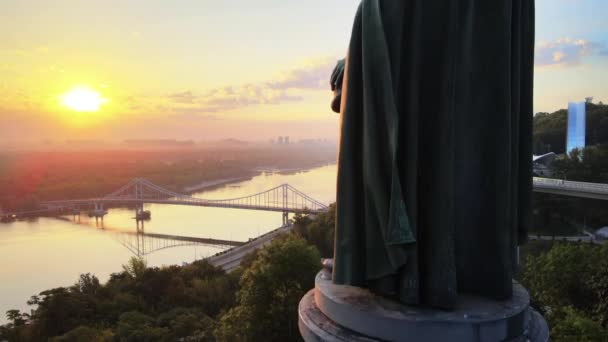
{"points": [[210, 70]]}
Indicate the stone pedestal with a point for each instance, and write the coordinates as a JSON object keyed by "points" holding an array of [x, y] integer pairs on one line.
{"points": [[344, 313]]}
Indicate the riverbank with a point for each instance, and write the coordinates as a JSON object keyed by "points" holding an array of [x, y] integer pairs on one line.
{"points": [[61, 175], [8, 217], [206, 185], [270, 169]]}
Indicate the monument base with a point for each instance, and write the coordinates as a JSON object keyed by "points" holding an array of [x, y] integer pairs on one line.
{"points": [[345, 313]]}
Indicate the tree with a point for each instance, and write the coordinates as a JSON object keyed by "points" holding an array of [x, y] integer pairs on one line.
{"points": [[136, 326], [559, 278], [575, 326], [87, 284], [135, 267], [85, 334], [184, 322], [60, 311], [16, 329], [599, 285], [271, 289], [216, 294], [589, 164], [569, 284], [550, 131], [16, 317], [318, 231]]}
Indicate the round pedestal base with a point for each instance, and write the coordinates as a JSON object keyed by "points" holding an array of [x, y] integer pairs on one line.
{"points": [[344, 313]]}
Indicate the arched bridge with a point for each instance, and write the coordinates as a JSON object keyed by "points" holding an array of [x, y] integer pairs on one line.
{"points": [[283, 198]]}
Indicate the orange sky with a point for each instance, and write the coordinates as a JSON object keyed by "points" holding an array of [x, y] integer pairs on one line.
{"points": [[208, 70]]}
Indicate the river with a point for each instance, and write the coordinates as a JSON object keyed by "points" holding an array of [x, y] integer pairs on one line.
{"points": [[44, 253]]}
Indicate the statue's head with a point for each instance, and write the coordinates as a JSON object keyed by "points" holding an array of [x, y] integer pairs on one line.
{"points": [[336, 85]]}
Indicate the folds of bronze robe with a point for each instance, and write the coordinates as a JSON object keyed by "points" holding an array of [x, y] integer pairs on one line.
{"points": [[434, 168]]}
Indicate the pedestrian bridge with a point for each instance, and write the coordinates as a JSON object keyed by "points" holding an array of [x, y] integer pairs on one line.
{"points": [[283, 198]]}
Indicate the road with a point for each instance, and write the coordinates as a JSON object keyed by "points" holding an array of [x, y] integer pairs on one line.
{"points": [[231, 259], [580, 238]]}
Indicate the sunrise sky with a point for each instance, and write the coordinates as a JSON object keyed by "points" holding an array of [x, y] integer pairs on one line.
{"points": [[205, 70]]}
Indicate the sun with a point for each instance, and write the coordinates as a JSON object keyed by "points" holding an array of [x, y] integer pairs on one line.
{"points": [[82, 99]]}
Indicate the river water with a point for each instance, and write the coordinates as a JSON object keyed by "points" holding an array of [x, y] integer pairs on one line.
{"points": [[44, 253]]}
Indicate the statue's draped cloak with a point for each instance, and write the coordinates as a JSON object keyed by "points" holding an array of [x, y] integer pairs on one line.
{"points": [[435, 161]]}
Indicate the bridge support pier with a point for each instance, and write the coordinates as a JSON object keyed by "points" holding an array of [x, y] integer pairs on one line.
{"points": [[139, 207], [76, 213], [285, 218], [98, 213], [140, 213], [140, 226]]}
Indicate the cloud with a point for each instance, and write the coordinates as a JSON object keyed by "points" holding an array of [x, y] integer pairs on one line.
{"points": [[567, 52], [191, 115], [228, 98], [183, 97], [313, 75]]}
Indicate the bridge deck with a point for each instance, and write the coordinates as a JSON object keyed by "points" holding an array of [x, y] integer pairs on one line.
{"points": [[92, 201], [285, 198]]}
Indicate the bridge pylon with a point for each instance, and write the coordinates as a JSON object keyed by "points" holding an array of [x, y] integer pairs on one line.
{"points": [[285, 218]]}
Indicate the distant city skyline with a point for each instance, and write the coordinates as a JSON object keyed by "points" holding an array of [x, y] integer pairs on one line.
{"points": [[204, 70]]}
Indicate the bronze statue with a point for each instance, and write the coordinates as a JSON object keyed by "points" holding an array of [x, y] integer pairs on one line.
{"points": [[435, 161]]}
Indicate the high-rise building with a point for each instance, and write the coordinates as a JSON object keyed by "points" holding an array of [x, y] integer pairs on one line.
{"points": [[575, 136]]}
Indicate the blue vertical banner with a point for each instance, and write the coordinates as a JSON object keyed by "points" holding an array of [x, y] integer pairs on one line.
{"points": [[575, 137]]}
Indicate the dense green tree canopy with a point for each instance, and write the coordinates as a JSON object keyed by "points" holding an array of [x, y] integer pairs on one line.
{"points": [[569, 285], [587, 165], [318, 231], [138, 304], [271, 289]]}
